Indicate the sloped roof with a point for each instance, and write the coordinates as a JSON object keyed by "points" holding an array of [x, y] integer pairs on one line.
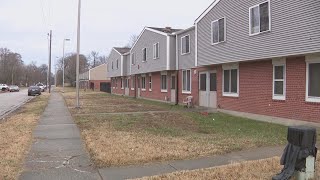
{"points": [[165, 30], [122, 50]]}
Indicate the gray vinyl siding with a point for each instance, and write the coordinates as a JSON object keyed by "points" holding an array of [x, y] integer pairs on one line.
{"points": [[147, 39], [295, 30], [173, 47], [126, 65], [113, 58], [187, 61]]}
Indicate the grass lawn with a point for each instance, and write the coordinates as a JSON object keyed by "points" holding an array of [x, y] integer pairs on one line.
{"points": [[16, 136], [127, 139], [251, 170]]}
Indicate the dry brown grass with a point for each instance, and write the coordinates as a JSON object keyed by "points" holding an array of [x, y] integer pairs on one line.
{"points": [[16, 136], [153, 137], [251, 170]]}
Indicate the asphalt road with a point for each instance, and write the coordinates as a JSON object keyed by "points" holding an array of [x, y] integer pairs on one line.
{"points": [[10, 101]]}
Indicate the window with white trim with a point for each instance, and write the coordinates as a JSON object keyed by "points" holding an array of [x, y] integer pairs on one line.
{"points": [[150, 82], [279, 80], [164, 83], [112, 65], [156, 51], [260, 20], [218, 31], [185, 44], [126, 85], [186, 81], [231, 81], [313, 81], [117, 63], [133, 83], [144, 55], [132, 59], [143, 85]]}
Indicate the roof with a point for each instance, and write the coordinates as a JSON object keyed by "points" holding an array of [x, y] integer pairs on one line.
{"points": [[185, 30], [122, 50], [167, 30], [212, 5]]}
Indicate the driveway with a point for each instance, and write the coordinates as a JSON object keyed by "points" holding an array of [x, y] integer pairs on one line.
{"points": [[11, 101]]}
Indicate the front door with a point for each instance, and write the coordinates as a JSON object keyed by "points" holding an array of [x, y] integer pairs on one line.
{"points": [[138, 85], [173, 88], [126, 85], [208, 89]]}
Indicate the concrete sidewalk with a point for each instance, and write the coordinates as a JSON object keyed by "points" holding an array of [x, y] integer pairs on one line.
{"points": [[131, 172], [58, 151]]}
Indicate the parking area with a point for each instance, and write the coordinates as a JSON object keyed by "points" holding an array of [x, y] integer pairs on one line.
{"points": [[10, 101]]}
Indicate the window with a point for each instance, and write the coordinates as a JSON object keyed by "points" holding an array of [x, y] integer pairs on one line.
{"points": [[143, 81], [231, 80], [213, 81], [121, 82], [173, 82], [186, 81], [185, 45], [132, 83], [132, 59], [150, 82], [117, 63], [313, 79], [112, 65], [259, 18], [164, 83], [203, 82], [279, 79], [144, 54], [218, 31], [156, 49]]}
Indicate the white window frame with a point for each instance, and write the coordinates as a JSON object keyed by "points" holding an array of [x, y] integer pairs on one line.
{"points": [[231, 67], [311, 59], [253, 34], [143, 54], [112, 65], [127, 83], [143, 83], [150, 82], [225, 31], [132, 79], [185, 91], [156, 49], [182, 53], [133, 59], [164, 74], [279, 62]]}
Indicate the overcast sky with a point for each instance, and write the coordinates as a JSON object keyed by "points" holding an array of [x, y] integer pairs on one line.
{"points": [[24, 24]]}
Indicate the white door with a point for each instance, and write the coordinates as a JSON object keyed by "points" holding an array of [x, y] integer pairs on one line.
{"points": [[208, 89], [126, 90], [139, 89], [173, 88]]}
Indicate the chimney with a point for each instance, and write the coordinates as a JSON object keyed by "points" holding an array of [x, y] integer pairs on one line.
{"points": [[167, 30]]}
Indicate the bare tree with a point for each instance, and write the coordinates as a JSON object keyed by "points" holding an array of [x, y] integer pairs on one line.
{"points": [[132, 40]]}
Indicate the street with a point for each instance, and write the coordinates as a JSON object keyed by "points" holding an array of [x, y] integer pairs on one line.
{"points": [[11, 101]]}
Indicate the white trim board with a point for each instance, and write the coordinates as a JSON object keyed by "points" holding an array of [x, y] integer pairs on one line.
{"points": [[207, 11]]}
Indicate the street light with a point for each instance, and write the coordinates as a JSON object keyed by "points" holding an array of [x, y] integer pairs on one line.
{"points": [[63, 64]]}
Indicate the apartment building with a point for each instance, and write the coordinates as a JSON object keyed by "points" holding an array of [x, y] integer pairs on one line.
{"points": [[95, 78]]}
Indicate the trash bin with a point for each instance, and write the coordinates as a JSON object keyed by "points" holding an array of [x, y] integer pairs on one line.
{"points": [[299, 155]]}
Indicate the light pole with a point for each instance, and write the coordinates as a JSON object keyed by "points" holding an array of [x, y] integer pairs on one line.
{"points": [[78, 55], [63, 64]]}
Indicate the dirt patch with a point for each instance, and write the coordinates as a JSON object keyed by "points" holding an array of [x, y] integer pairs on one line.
{"points": [[16, 136]]}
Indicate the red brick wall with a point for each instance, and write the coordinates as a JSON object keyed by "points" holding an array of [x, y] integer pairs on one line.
{"points": [[156, 87], [97, 84], [117, 89], [255, 92]]}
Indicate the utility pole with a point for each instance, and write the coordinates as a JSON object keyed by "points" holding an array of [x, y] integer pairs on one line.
{"points": [[50, 42], [78, 56], [63, 64]]}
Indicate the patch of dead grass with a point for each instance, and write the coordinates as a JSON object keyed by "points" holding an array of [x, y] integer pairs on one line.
{"points": [[16, 136], [250, 170]]}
